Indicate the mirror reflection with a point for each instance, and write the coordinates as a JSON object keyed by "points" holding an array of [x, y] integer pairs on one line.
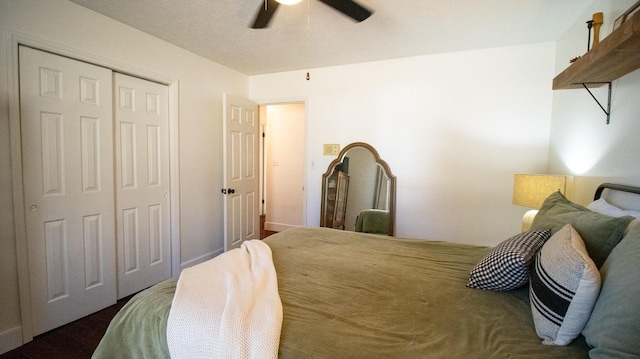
{"points": [[358, 192]]}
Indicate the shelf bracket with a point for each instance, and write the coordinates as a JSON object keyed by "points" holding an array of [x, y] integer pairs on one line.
{"points": [[608, 110]]}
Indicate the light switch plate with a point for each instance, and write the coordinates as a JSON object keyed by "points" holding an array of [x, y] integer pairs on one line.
{"points": [[331, 149]]}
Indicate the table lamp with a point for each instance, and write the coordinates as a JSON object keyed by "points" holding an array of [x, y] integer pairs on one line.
{"points": [[530, 190]]}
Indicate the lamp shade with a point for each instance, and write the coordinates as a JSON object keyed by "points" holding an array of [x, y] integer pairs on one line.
{"points": [[530, 190]]}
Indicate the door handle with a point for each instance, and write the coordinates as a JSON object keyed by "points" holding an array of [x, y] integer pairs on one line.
{"points": [[228, 191]]}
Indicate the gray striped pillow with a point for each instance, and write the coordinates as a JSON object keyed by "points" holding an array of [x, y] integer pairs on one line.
{"points": [[564, 287]]}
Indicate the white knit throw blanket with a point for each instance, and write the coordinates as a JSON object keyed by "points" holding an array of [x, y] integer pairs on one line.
{"points": [[227, 307]]}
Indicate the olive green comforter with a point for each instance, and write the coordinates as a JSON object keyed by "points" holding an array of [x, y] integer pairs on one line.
{"points": [[354, 295]]}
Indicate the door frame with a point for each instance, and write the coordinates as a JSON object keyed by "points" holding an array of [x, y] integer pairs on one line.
{"points": [[304, 100], [18, 39]]}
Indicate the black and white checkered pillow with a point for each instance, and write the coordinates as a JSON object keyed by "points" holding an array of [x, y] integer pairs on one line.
{"points": [[508, 265]]}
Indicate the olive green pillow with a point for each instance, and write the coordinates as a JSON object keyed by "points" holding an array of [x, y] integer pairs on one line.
{"points": [[613, 328], [601, 233]]}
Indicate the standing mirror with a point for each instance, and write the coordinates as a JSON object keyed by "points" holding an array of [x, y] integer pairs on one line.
{"points": [[359, 192]]}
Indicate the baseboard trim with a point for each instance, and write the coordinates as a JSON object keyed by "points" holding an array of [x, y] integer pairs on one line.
{"points": [[10, 339]]}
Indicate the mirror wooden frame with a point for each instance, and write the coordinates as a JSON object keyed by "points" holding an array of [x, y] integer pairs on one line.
{"points": [[385, 167]]}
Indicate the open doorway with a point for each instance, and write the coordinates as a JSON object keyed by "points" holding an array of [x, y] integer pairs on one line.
{"points": [[283, 157]]}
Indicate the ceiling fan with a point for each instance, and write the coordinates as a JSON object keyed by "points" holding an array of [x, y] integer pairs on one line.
{"points": [[347, 7]]}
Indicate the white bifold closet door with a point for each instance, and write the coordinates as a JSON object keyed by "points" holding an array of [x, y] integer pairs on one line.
{"points": [[67, 163], [142, 183], [95, 163]]}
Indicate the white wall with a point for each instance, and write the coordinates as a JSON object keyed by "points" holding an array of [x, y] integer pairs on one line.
{"points": [[581, 142], [285, 146], [61, 25], [454, 128]]}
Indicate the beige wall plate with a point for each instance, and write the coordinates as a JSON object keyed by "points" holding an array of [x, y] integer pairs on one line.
{"points": [[331, 149]]}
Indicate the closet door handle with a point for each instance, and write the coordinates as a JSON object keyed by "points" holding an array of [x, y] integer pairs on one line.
{"points": [[228, 191]]}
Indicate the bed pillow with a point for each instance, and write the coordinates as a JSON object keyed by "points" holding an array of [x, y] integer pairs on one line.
{"points": [[508, 265], [601, 233], [603, 207], [612, 331], [564, 288]]}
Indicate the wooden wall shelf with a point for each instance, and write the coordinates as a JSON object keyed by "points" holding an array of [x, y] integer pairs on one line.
{"points": [[615, 56]]}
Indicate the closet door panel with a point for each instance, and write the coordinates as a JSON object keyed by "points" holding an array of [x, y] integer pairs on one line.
{"points": [[142, 178], [67, 162]]}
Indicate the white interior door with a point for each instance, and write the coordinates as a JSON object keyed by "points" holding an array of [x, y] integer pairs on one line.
{"points": [[142, 183], [66, 129], [241, 171]]}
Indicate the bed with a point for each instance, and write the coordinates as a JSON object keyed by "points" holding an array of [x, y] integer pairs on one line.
{"points": [[357, 295]]}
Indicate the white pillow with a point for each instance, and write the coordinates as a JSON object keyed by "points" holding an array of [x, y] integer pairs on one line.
{"points": [[603, 207], [564, 287]]}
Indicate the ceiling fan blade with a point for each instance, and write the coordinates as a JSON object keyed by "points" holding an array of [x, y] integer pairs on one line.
{"points": [[349, 8], [264, 15]]}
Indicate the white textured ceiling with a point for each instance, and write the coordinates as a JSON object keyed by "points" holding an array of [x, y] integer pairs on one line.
{"points": [[218, 29]]}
